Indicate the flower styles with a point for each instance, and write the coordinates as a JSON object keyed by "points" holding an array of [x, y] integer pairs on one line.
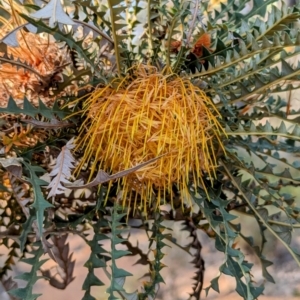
{"points": [[154, 114]]}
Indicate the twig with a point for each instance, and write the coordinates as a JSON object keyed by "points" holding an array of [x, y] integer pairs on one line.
{"points": [[192, 24]]}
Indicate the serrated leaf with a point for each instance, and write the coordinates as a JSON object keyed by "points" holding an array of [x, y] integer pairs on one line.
{"points": [[263, 213], [88, 296], [285, 238], [61, 36], [31, 277], [61, 171], [215, 284], [54, 12], [39, 204], [91, 280], [259, 8], [29, 110], [120, 273], [27, 228], [97, 257]]}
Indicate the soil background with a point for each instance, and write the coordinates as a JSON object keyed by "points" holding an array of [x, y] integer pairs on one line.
{"points": [[179, 271]]}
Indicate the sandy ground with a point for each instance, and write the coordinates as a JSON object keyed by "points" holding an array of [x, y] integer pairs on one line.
{"points": [[178, 273]]}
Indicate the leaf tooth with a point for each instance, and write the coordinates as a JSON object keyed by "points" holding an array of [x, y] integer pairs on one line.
{"points": [[253, 127], [256, 34], [240, 127], [296, 131], [284, 8], [286, 69], [286, 173], [243, 48], [227, 128], [250, 196], [244, 90], [217, 62], [277, 14], [276, 40], [258, 83], [228, 58], [267, 169], [271, 18], [262, 28], [287, 40], [297, 42], [273, 76], [249, 38], [254, 45], [282, 128], [267, 127], [266, 43], [236, 55], [244, 27]]}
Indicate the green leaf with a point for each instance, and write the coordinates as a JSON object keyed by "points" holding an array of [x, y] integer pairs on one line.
{"points": [[264, 130], [226, 233], [259, 8], [115, 8], [31, 277], [91, 280], [39, 204], [88, 296], [156, 265], [29, 110], [53, 11], [260, 218], [264, 262], [117, 276], [27, 228], [98, 256]]}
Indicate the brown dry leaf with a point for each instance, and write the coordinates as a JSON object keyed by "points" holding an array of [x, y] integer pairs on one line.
{"points": [[53, 124], [12, 165], [61, 171], [60, 252], [103, 177], [9, 284]]}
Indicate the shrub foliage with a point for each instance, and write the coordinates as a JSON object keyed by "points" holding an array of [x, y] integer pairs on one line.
{"points": [[114, 111]]}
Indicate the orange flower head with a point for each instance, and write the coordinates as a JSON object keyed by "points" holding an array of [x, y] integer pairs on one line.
{"points": [[154, 115]]}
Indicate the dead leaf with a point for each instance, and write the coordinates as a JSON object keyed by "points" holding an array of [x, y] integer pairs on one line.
{"points": [[103, 177], [13, 165], [53, 124]]}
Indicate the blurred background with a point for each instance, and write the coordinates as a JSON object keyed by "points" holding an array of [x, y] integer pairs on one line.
{"points": [[179, 271]]}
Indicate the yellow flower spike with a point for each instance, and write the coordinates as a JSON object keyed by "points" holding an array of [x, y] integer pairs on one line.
{"points": [[156, 113]]}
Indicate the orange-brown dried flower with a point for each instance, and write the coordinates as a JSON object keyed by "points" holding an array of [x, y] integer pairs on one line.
{"points": [[41, 55], [203, 41]]}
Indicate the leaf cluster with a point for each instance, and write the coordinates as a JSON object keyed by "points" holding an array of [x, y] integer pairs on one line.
{"points": [[250, 71]]}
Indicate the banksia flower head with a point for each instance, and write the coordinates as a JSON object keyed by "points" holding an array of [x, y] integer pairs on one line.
{"points": [[41, 55], [30, 68], [44, 59], [154, 115]]}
